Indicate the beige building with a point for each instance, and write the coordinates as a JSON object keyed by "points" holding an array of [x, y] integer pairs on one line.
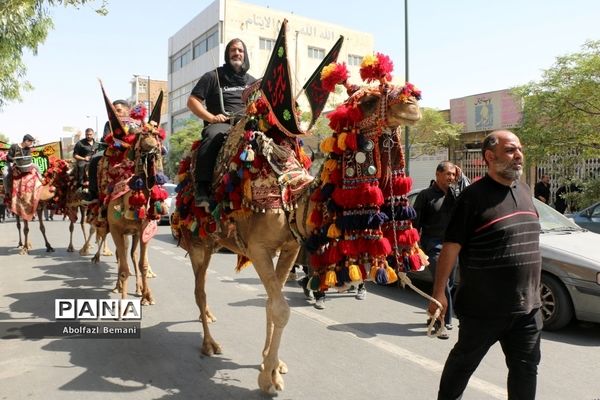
{"points": [[199, 47]]}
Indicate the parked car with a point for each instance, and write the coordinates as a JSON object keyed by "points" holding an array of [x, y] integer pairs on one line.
{"points": [[588, 218], [170, 187], [570, 269]]}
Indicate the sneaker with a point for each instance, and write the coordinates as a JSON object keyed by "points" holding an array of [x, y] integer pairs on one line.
{"points": [[361, 294], [436, 331], [308, 294], [449, 327], [320, 303]]}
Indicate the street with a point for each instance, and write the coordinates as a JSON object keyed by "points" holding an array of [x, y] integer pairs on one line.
{"points": [[356, 350]]}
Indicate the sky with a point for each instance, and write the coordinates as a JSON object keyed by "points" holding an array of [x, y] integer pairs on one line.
{"points": [[456, 48]]}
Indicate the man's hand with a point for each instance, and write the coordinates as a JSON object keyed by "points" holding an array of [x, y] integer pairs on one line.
{"points": [[432, 308], [219, 118]]}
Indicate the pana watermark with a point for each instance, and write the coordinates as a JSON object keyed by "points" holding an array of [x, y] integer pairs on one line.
{"points": [[97, 309]]}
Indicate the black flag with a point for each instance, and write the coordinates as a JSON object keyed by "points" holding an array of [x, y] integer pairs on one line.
{"points": [[276, 87], [317, 96]]}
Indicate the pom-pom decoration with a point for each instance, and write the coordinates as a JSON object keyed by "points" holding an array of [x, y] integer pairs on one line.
{"points": [[139, 112], [376, 67], [333, 74]]}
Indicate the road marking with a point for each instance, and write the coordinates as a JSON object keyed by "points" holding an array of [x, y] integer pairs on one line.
{"points": [[156, 247], [180, 258], [491, 390], [167, 252]]}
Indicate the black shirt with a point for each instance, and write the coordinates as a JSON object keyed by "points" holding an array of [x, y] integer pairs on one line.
{"points": [[541, 189], [15, 150], [500, 262], [433, 208], [232, 84], [83, 148]]}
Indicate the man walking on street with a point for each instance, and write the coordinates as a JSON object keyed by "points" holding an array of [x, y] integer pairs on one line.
{"points": [[494, 230], [433, 206]]}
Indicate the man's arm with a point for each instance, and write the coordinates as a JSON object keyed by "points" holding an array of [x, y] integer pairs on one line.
{"points": [[76, 152], [196, 106], [445, 264]]}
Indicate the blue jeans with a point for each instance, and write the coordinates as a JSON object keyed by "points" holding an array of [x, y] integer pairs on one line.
{"points": [[433, 247], [519, 337]]}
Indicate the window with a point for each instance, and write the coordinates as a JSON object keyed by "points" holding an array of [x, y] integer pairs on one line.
{"points": [[266, 44], [206, 41], [314, 52], [354, 60]]}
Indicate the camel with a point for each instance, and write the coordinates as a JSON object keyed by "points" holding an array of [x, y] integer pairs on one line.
{"points": [[30, 194], [134, 204], [259, 234]]}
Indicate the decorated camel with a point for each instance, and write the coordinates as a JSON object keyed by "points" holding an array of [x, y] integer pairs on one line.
{"points": [[30, 193], [265, 203], [69, 200], [131, 196]]}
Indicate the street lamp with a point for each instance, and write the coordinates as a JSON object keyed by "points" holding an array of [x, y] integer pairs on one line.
{"points": [[96, 117]]}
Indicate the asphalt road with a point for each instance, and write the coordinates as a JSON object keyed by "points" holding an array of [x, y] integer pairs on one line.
{"points": [[371, 349]]}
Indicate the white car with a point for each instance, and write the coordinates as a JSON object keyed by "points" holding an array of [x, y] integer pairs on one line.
{"points": [[570, 269], [170, 188]]}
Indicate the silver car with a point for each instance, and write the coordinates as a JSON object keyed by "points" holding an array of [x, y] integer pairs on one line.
{"points": [[170, 188], [570, 269]]}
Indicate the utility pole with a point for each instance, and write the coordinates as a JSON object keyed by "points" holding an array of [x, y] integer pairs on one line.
{"points": [[406, 128]]}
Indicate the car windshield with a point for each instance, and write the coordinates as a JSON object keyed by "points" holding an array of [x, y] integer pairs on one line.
{"points": [[170, 188], [553, 221]]}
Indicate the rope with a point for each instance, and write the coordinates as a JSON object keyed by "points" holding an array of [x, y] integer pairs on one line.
{"points": [[402, 276]]}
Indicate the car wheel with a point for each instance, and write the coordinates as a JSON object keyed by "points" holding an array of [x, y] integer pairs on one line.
{"points": [[557, 309]]}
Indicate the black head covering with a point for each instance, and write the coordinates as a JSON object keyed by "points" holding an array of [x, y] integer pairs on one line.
{"points": [[245, 64], [28, 137]]}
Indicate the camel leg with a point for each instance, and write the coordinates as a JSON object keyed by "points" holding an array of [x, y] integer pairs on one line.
{"points": [[70, 248], [147, 298], [277, 310], [149, 272], [49, 248], [18, 219], [102, 240], [82, 223], [121, 242], [135, 241], [87, 245], [200, 257]]}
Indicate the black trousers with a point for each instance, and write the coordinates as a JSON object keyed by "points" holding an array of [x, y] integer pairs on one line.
{"points": [[93, 175], [213, 137], [519, 337]]}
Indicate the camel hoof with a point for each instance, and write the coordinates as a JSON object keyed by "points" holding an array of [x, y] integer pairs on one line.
{"points": [[150, 274], [211, 348], [283, 368], [96, 259], [146, 302], [49, 250], [270, 383], [107, 253], [71, 249], [23, 251], [138, 292]]}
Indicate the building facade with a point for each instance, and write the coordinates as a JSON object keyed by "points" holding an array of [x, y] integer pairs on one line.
{"points": [[199, 47], [146, 90]]}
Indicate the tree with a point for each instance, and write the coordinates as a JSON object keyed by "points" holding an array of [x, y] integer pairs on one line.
{"points": [[562, 111], [24, 25], [179, 143], [561, 119], [4, 138], [432, 133]]}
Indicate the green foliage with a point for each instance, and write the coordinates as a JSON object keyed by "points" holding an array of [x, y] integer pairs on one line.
{"points": [[562, 111], [180, 143], [24, 25], [433, 132]]}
